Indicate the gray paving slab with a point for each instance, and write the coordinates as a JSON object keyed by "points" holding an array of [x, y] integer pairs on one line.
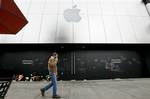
{"points": [[93, 89]]}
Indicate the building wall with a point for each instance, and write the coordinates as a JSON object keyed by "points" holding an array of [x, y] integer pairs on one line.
{"points": [[103, 21], [107, 64], [77, 64]]}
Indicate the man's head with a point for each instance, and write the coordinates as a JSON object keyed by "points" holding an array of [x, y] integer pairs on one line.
{"points": [[55, 54]]}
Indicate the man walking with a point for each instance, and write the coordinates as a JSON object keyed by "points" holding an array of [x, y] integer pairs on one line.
{"points": [[52, 67]]}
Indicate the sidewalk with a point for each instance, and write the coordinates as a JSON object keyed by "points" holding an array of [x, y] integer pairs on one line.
{"points": [[97, 89]]}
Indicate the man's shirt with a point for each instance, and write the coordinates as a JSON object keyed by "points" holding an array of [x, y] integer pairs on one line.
{"points": [[52, 64]]}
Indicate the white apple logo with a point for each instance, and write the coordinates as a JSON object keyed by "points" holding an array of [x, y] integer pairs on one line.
{"points": [[72, 15]]}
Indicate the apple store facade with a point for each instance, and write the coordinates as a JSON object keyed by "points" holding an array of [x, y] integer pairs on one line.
{"points": [[82, 21], [95, 39]]}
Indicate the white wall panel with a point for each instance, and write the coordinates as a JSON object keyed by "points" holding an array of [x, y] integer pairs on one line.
{"points": [[81, 31], [48, 32], [37, 7], [126, 29], [134, 9], [82, 5], [64, 31], [3, 38], [31, 32], [107, 7], [93, 7], [112, 30], [141, 26], [97, 30], [63, 5], [51, 7], [120, 7]]}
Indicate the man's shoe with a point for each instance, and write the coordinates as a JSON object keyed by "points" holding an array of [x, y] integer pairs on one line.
{"points": [[56, 96], [42, 92]]}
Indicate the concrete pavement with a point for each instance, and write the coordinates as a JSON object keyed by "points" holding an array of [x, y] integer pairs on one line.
{"points": [[94, 89]]}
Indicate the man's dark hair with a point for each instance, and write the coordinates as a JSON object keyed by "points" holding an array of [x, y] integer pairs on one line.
{"points": [[54, 54]]}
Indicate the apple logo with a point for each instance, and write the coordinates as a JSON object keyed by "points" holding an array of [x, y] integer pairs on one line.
{"points": [[72, 15]]}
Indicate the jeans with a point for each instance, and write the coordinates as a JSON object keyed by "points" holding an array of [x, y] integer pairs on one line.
{"points": [[52, 83]]}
